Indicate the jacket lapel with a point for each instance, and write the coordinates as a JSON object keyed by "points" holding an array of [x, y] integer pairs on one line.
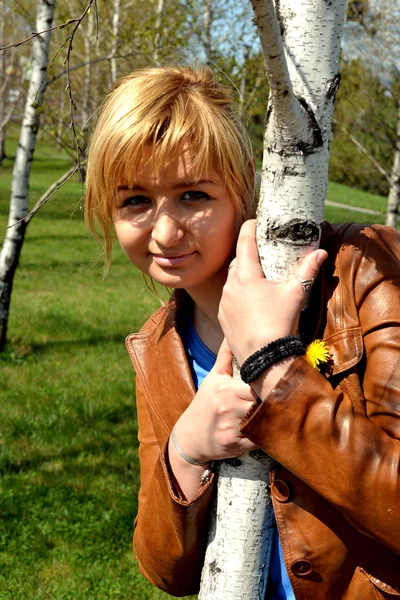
{"points": [[160, 362]]}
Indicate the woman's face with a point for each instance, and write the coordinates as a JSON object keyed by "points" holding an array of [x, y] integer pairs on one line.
{"points": [[176, 227]]}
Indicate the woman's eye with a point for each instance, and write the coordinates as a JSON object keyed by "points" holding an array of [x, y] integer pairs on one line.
{"points": [[195, 195], [135, 201]]}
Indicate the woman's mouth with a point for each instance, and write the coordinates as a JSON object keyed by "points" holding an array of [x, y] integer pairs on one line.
{"points": [[165, 260]]}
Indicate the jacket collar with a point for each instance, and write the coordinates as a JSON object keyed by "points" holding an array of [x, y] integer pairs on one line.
{"points": [[160, 362]]}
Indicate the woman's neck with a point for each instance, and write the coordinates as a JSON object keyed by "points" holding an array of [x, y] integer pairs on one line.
{"points": [[205, 313]]}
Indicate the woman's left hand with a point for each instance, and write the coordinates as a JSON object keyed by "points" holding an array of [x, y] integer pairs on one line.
{"points": [[255, 311]]}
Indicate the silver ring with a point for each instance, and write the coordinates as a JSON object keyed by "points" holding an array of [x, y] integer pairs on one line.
{"points": [[306, 284]]}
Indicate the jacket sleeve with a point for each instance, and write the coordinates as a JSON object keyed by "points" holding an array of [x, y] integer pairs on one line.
{"points": [[170, 534], [347, 454]]}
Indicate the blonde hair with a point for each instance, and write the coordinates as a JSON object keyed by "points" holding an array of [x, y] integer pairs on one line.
{"points": [[166, 109]]}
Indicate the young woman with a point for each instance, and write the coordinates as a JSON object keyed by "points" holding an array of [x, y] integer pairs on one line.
{"points": [[170, 168]]}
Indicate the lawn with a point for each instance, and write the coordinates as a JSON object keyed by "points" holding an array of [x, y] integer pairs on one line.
{"points": [[68, 450]]}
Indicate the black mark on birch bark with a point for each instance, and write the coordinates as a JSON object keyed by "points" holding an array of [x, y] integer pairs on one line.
{"points": [[333, 86], [317, 133], [291, 171], [295, 232], [279, 17], [267, 117], [233, 462], [214, 568], [258, 454]]}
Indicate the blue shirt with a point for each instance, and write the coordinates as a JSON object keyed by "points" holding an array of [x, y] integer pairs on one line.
{"points": [[201, 360]]}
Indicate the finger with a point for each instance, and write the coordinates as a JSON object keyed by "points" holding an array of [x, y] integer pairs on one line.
{"points": [[232, 264], [247, 260], [223, 364], [311, 264], [246, 445], [244, 391]]}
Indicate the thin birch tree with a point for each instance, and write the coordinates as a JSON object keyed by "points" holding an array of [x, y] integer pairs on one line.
{"points": [[158, 31], [393, 205], [115, 36], [3, 87], [376, 30], [15, 234], [301, 45]]}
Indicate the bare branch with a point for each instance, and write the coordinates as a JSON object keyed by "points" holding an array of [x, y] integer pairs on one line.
{"points": [[271, 41], [93, 61], [48, 194], [7, 116], [282, 97], [72, 104], [39, 33], [363, 149]]}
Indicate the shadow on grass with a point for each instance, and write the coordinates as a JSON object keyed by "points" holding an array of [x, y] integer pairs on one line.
{"points": [[92, 263], [44, 347], [104, 433], [46, 238]]}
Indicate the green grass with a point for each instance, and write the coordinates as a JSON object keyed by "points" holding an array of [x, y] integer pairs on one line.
{"points": [[68, 450], [347, 195]]}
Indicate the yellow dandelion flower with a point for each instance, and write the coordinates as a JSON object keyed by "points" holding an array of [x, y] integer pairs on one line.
{"points": [[317, 353]]}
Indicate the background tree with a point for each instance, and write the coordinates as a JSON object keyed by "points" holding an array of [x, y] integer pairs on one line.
{"points": [[14, 69], [373, 49], [26, 146]]}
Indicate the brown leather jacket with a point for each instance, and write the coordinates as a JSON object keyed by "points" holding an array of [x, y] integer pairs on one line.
{"points": [[335, 438]]}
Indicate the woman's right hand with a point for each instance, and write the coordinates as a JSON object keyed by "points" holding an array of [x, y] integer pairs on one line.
{"points": [[209, 428]]}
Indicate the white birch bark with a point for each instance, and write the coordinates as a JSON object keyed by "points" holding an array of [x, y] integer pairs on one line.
{"points": [[394, 192], [207, 23], [301, 46], [157, 31], [23, 159], [115, 34], [3, 86]]}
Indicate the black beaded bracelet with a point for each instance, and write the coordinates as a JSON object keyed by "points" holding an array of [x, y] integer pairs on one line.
{"points": [[267, 356]]}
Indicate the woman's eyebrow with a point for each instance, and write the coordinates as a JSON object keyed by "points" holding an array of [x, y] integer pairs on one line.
{"points": [[181, 184], [131, 187], [192, 183]]}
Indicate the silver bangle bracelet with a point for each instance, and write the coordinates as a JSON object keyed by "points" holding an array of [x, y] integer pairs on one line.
{"points": [[183, 454]]}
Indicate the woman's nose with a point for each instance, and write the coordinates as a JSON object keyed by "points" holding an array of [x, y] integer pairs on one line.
{"points": [[167, 230]]}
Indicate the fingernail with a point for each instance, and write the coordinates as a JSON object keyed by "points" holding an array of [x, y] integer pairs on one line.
{"points": [[321, 256]]}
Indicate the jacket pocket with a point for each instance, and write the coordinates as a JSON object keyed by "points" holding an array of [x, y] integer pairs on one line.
{"points": [[346, 348], [383, 571], [387, 588]]}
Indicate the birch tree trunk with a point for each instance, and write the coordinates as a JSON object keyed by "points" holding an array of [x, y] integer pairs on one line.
{"points": [[394, 192], [158, 30], [207, 23], [3, 88], [23, 160], [301, 46], [115, 34]]}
